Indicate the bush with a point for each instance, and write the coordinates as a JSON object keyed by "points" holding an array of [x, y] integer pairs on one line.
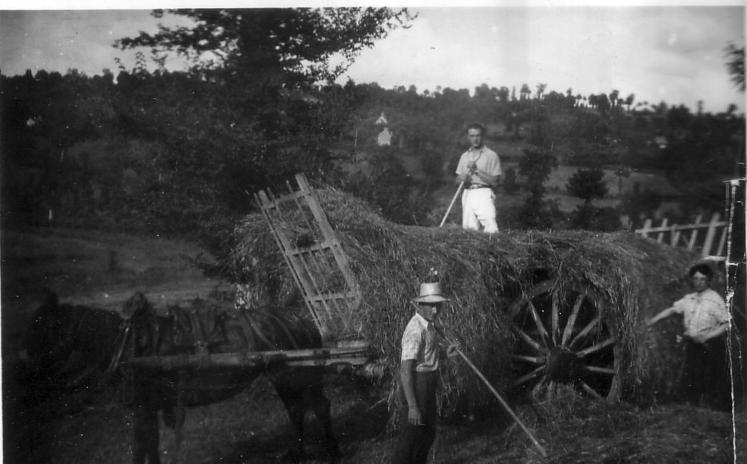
{"points": [[510, 185], [589, 217]]}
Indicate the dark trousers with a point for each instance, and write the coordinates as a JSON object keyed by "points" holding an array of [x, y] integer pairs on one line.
{"points": [[415, 441], [705, 379]]}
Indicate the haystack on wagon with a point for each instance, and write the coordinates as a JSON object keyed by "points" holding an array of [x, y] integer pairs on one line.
{"points": [[535, 311]]}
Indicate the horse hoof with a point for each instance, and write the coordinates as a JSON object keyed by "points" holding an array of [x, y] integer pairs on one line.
{"points": [[292, 456], [334, 454]]}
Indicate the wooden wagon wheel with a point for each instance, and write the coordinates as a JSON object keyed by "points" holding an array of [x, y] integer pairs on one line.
{"points": [[563, 339]]}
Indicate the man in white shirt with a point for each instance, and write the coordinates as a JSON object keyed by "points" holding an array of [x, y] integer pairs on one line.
{"points": [[420, 358], [480, 169], [706, 323]]}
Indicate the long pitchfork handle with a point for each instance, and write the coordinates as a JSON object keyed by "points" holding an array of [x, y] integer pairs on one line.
{"points": [[451, 205], [496, 394]]}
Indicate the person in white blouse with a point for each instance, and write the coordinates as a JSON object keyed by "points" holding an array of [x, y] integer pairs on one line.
{"points": [[706, 322]]}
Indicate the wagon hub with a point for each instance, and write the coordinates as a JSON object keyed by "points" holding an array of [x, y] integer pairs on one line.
{"points": [[560, 364]]}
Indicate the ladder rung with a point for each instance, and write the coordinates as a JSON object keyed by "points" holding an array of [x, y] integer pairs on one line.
{"points": [[276, 202]]}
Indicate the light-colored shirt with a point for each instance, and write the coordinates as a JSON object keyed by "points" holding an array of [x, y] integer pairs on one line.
{"points": [[485, 159], [419, 343], [701, 313]]}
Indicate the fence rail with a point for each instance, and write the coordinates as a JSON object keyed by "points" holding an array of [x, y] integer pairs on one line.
{"points": [[711, 244]]}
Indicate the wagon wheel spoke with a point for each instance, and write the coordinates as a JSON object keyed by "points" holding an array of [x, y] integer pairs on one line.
{"points": [[571, 320], [585, 386], [530, 341], [537, 321], [530, 359], [595, 348], [550, 389], [536, 389], [526, 378], [600, 370], [555, 316], [585, 331]]}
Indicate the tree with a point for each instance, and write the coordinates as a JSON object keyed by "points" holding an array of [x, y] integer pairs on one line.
{"points": [[735, 65], [587, 184], [629, 100], [509, 182], [614, 98], [289, 44], [541, 90], [525, 92], [249, 113], [536, 166]]}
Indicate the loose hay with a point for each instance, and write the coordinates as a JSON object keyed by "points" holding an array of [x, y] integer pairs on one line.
{"points": [[634, 277], [579, 431]]}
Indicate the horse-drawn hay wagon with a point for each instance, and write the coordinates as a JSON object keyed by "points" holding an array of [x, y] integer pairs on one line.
{"points": [[534, 310]]}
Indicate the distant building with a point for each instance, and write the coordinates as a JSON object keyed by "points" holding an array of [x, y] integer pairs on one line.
{"points": [[382, 121], [384, 138], [661, 142]]}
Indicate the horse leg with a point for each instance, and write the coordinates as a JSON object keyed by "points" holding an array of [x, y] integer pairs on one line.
{"points": [[145, 423], [145, 427], [179, 412], [321, 407], [294, 404]]}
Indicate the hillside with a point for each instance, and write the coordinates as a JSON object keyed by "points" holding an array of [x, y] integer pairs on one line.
{"points": [[96, 269]]}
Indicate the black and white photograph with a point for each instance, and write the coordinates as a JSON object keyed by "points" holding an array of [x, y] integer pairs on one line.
{"points": [[343, 232]]}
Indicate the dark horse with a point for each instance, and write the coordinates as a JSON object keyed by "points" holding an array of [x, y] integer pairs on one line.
{"points": [[70, 346], [141, 332]]}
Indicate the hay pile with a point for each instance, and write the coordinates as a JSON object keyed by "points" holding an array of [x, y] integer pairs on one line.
{"points": [[483, 274]]}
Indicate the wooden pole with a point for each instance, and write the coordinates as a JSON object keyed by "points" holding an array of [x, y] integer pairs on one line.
{"points": [[451, 205], [496, 394]]}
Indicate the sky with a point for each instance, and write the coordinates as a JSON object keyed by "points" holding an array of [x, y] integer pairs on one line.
{"points": [[672, 53]]}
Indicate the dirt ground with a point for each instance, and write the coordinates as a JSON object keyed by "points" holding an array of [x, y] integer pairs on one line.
{"points": [[102, 270]]}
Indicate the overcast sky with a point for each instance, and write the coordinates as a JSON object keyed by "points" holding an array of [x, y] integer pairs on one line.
{"points": [[669, 53]]}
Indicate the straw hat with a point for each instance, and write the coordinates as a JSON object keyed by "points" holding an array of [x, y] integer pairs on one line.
{"points": [[430, 293]]}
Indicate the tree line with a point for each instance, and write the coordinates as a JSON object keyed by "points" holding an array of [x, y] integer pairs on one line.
{"points": [[180, 152]]}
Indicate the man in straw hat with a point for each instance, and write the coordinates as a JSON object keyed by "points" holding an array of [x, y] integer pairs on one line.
{"points": [[421, 354], [706, 322]]}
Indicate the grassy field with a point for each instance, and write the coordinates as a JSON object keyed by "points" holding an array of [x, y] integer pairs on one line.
{"points": [[101, 270]]}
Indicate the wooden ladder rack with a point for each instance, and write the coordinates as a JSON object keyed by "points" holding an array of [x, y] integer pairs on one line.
{"points": [[317, 262]]}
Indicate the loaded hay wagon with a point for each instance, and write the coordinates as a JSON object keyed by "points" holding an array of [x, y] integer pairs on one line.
{"points": [[536, 311]]}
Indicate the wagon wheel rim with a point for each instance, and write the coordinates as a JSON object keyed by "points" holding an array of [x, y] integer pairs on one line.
{"points": [[563, 338]]}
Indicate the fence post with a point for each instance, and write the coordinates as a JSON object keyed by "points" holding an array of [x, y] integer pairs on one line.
{"points": [[674, 236], [660, 237], [646, 227], [710, 235], [722, 241], [694, 233]]}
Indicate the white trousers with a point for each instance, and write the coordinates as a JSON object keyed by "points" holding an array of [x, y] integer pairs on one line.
{"points": [[478, 209]]}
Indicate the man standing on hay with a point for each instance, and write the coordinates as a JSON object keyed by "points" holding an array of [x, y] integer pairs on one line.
{"points": [[706, 323], [421, 354], [479, 170]]}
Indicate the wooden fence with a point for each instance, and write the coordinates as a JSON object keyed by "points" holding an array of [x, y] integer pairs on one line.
{"points": [[709, 238]]}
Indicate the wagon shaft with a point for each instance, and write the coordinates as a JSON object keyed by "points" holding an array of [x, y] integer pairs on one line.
{"points": [[326, 357]]}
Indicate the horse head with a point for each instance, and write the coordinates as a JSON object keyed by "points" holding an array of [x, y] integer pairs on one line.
{"points": [[49, 341], [144, 322]]}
